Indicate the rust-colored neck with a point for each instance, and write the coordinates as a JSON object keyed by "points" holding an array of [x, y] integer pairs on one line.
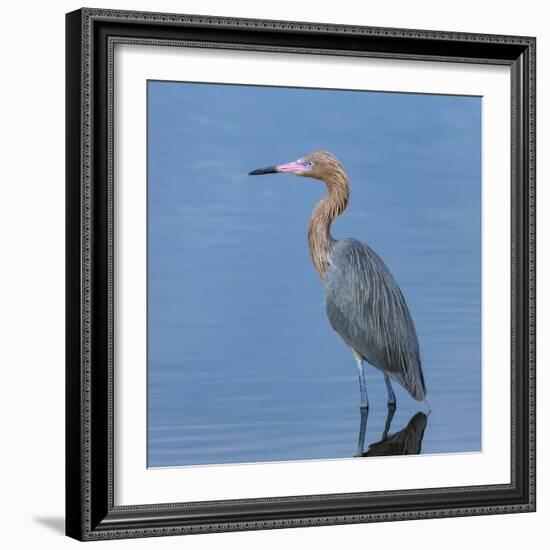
{"points": [[331, 206]]}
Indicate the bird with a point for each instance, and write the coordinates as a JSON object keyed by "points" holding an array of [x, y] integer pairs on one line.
{"points": [[363, 301]]}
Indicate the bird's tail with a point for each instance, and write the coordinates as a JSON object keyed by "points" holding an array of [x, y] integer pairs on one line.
{"points": [[418, 386], [415, 384]]}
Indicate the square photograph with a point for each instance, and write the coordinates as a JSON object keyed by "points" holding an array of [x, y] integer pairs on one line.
{"points": [[313, 274]]}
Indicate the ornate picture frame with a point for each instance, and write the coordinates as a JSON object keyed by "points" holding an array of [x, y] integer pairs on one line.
{"points": [[91, 509]]}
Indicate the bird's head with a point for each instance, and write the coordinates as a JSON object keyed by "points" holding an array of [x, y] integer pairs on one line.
{"points": [[320, 165]]}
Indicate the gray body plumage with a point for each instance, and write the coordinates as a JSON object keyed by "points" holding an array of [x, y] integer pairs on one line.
{"points": [[367, 309]]}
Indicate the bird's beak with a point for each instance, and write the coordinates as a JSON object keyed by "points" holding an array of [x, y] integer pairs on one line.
{"points": [[291, 168], [268, 170]]}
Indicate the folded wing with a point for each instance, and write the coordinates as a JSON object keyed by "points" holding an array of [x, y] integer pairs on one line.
{"points": [[367, 309]]}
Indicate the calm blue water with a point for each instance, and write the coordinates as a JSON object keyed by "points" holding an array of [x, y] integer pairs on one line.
{"points": [[243, 365]]}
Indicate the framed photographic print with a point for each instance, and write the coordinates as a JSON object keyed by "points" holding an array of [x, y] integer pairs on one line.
{"points": [[300, 274]]}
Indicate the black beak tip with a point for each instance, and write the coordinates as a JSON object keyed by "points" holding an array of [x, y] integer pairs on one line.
{"points": [[259, 171]]}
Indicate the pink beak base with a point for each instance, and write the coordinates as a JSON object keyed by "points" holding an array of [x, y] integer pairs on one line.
{"points": [[291, 168]]}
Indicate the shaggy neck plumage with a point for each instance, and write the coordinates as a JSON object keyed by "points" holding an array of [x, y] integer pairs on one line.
{"points": [[331, 206]]}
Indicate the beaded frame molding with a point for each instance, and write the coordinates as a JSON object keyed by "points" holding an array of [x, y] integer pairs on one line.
{"points": [[90, 510]]}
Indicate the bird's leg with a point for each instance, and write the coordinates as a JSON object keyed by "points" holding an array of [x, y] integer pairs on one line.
{"points": [[427, 405], [362, 431], [362, 385], [391, 395], [389, 418]]}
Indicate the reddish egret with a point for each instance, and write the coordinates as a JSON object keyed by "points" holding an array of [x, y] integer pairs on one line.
{"points": [[363, 301]]}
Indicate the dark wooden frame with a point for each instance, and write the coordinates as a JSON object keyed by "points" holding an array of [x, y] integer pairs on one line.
{"points": [[90, 512]]}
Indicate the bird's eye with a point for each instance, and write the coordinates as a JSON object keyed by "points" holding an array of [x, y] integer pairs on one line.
{"points": [[310, 164]]}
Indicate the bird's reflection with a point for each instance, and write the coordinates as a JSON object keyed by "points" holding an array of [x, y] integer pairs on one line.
{"points": [[407, 441]]}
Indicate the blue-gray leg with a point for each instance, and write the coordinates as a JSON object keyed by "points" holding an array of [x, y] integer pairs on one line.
{"points": [[362, 431], [389, 418], [391, 395], [362, 385]]}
